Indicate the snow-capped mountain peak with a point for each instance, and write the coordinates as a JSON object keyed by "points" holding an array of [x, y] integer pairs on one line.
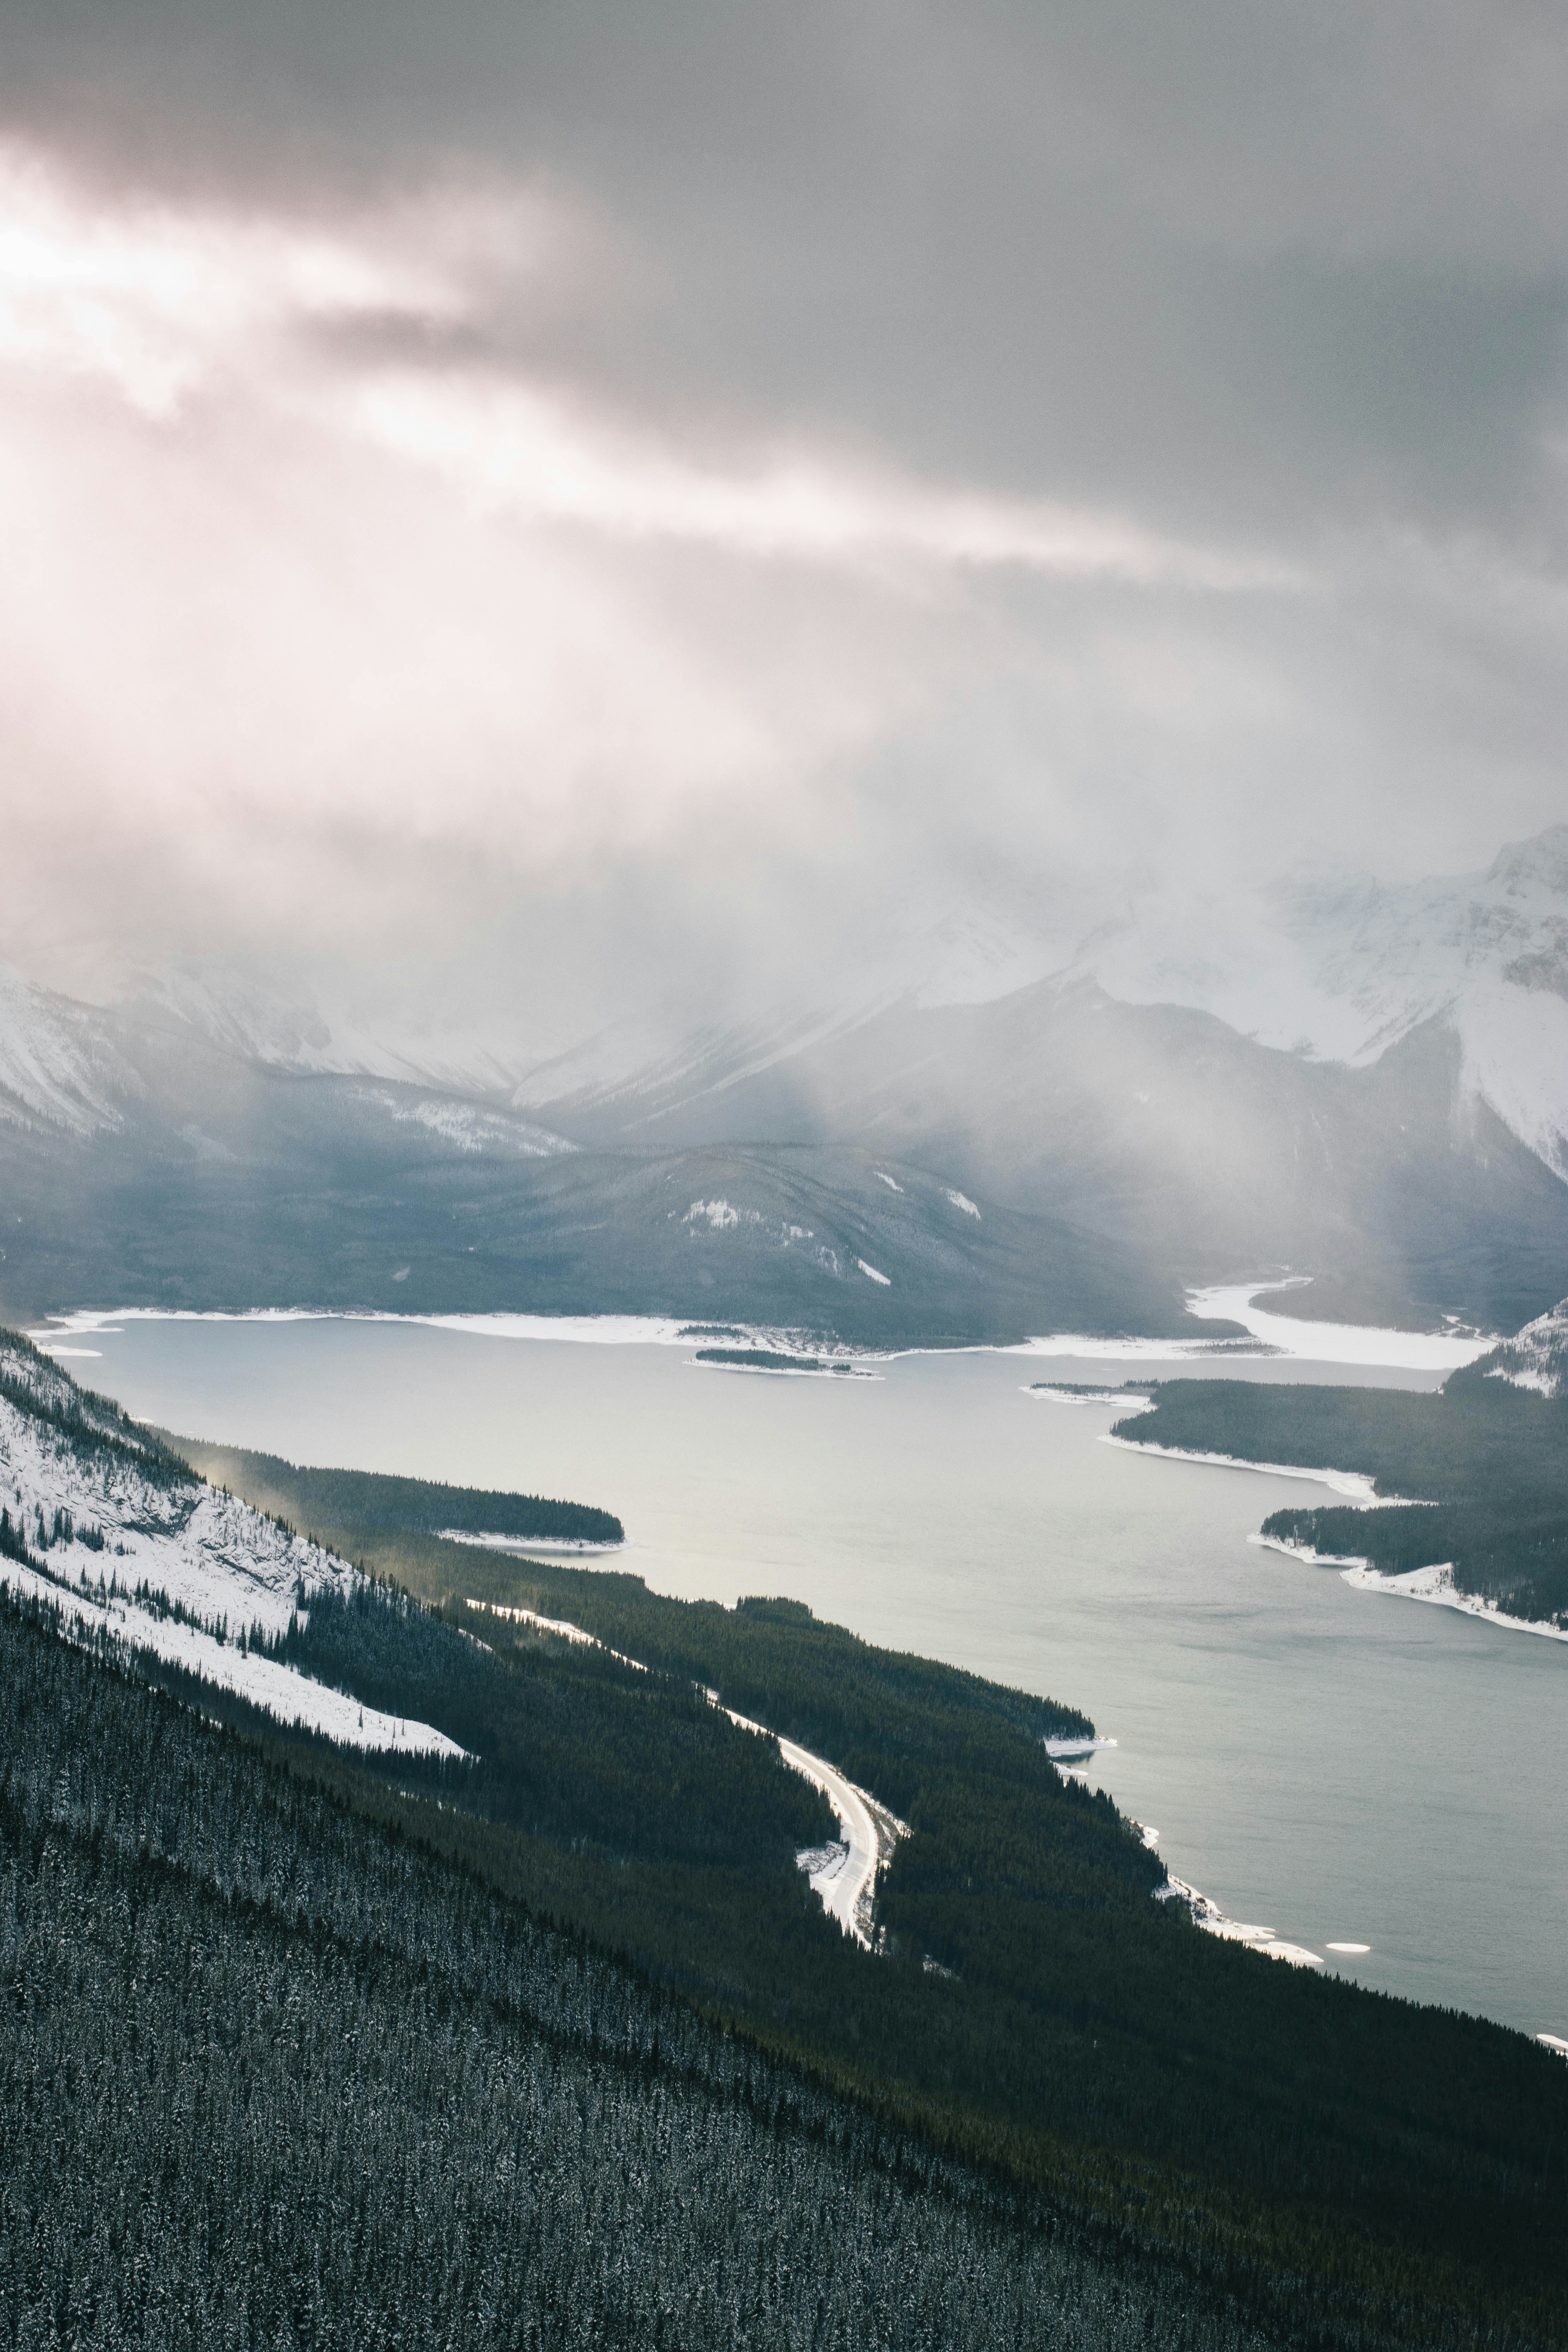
{"points": [[1343, 970]]}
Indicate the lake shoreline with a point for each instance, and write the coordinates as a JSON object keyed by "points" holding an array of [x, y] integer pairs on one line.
{"points": [[1253, 1332], [1425, 1584], [1353, 1483]]}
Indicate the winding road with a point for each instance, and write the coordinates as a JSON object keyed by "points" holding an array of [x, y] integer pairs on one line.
{"points": [[844, 1875]]}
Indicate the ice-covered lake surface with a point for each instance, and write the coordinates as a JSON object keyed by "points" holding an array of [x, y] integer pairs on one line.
{"points": [[1346, 1767]]}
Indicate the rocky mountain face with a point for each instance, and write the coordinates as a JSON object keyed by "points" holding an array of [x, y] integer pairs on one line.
{"points": [[1072, 1154]]}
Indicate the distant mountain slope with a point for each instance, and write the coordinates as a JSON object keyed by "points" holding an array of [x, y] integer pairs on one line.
{"points": [[58, 1070], [1117, 1140], [1154, 1140], [1347, 969]]}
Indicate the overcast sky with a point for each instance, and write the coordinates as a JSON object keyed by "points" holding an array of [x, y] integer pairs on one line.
{"points": [[522, 508]]}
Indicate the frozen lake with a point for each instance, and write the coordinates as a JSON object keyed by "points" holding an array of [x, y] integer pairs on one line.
{"points": [[1343, 1767]]}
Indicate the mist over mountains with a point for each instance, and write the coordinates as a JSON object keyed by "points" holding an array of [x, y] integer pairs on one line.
{"points": [[1366, 1084], [629, 652]]}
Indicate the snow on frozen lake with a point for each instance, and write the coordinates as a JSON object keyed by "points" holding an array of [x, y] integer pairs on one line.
{"points": [[1352, 1347]]}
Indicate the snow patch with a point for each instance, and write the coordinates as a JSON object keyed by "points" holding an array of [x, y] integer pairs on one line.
{"points": [[161, 1561], [1349, 1483], [561, 1626], [1335, 1343], [960, 1201], [565, 1547], [1213, 1920], [1274, 1335], [718, 1214], [1095, 1348], [1120, 1398], [843, 1877], [468, 1128], [1071, 1757], [1436, 1585], [293, 1698]]}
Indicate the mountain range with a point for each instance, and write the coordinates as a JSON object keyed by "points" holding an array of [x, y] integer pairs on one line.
{"points": [[1364, 1082]]}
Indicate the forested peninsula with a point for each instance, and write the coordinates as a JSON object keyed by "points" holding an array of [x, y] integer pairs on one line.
{"points": [[1482, 1465], [321, 1499]]}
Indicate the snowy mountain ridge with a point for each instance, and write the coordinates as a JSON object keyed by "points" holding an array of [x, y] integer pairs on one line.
{"points": [[1336, 969], [103, 1523], [287, 1032], [56, 1070], [1342, 971]]}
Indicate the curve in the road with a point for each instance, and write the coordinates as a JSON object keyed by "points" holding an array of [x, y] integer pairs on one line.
{"points": [[844, 1875]]}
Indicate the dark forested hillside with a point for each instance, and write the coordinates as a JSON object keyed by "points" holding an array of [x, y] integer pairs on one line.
{"points": [[274, 2075], [566, 1741], [1483, 1463]]}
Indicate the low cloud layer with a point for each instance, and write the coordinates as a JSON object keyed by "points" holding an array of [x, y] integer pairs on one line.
{"points": [[521, 519]]}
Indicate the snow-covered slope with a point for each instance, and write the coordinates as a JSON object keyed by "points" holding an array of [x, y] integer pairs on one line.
{"points": [[129, 1543], [1344, 970], [1538, 1357], [57, 1071], [468, 1126], [68, 1069], [1337, 971], [259, 1024]]}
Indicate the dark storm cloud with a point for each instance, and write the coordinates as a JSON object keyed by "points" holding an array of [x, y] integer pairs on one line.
{"points": [[1002, 445], [1235, 257]]}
